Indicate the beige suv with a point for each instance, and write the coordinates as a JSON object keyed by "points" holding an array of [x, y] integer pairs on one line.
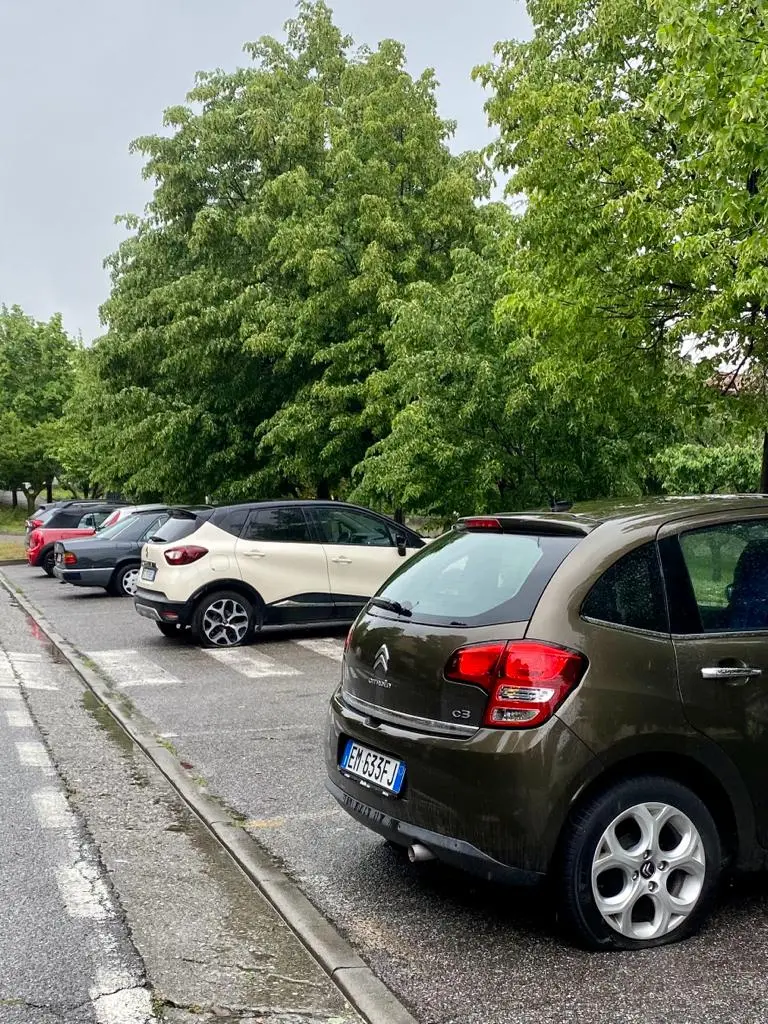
{"points": [[229, 572]]}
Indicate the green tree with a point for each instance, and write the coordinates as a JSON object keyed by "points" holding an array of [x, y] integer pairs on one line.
{"points": [[35, 381], [295, 201], [490, 416]]}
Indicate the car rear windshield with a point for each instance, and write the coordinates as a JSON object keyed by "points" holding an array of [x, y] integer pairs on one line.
{"points": [[176, 528], [478, 578]]}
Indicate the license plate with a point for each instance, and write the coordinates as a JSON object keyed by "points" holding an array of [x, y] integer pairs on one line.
{"points": [[59, 557], [148, 573], [372, 767]]}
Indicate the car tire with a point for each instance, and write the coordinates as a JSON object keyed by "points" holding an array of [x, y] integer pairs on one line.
{"points": [[640, 866], [224, 619], [124, 581], [170, 629], [48, 561]]}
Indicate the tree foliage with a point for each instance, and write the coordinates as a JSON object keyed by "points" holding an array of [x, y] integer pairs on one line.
{"points": [[295, 200]]}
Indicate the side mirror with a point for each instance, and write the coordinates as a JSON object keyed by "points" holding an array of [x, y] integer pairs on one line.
{"points": [[402, 545]]}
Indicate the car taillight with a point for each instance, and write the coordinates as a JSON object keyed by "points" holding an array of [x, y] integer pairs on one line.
{"points": [[184, 555], [526, 680], [32, 524], [110, 520], [481, 523], [70, 558]]}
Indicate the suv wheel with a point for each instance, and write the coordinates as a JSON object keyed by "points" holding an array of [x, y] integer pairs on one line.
{"points": [[224, 619], [47, 562], [124, 581], [640, 865]]}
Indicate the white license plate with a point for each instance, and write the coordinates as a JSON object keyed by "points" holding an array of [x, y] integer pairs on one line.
{"points": [[148, 573], [372, 767]]}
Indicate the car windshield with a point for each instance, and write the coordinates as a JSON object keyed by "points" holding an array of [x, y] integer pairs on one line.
{"points": [[477, 578], [175, 528]]}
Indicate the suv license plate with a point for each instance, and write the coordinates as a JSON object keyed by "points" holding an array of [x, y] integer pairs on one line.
{"points": [[372, 767], [148, 573]]}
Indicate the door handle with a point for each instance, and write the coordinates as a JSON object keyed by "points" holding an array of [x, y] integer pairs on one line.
{"points": [[255, 554], [737, 674], [342, 560]]}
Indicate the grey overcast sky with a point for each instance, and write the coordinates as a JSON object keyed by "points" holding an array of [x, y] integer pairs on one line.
{"points": [[80, 78]]}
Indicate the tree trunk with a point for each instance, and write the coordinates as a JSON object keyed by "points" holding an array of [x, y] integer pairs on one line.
{"points": [[398, 516], [14, 498], [49, 490], [323, 490], [763, 489], [31, 495]]}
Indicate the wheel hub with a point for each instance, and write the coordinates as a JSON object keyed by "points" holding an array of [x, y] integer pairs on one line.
{"points": [[225, 623]]}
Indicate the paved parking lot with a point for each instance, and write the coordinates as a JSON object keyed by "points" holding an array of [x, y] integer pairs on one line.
{"points": [[251, 722]]}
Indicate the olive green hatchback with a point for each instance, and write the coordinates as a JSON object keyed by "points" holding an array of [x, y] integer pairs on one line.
{"points": [[580, 697]]}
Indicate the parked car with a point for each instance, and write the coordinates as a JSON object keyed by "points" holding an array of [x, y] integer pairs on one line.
{"points": [[67, 515], [72, 521], [112, 557], [230, 572], [576, 696]]}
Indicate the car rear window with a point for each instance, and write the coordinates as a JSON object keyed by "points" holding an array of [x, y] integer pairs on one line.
{"points": [[176, 528], [478, 578]]}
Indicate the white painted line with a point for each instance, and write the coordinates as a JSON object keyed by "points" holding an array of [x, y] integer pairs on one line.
{"points": [[129, 668], [85, 895], [18, 718], [131, 1006], [53, 811], [10, 694], [24, 656], [327, 646], [33, 753], [254, 666]]}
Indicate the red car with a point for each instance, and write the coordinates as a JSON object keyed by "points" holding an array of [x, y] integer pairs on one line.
{"points": [[42, 538]]}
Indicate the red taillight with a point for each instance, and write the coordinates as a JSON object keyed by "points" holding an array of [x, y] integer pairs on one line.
{"points": [[526, 680], [184, 555], [32, 524], [482, 523], [70, 558], [110, 520]]}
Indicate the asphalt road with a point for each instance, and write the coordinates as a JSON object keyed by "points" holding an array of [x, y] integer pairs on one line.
{"points": [[457, 951]]}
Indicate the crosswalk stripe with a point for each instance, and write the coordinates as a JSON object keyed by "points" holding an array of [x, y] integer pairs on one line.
{"points": [[254, 666], [18, 718], [326, 646], [129, 668]]}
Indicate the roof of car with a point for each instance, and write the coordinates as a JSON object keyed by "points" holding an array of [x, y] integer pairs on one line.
{"points": [[586, 516]]}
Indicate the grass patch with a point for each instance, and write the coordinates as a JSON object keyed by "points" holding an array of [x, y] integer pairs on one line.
{"points": [[12, 519], [12, 549]]}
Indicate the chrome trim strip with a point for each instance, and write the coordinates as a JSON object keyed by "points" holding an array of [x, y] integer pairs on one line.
{"points": [[409, 721]]}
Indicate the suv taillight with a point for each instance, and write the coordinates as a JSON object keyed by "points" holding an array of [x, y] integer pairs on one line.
{"points": [[33, 524], [184, 555], [111, 519], [526, 680]]}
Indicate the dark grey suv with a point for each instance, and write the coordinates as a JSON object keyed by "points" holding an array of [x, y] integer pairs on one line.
{"points": [[580, 697]]}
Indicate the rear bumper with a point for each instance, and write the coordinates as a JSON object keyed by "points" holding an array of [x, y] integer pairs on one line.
{"points": [[151, 604], [455, 852], [83, 577], [493, 803]]}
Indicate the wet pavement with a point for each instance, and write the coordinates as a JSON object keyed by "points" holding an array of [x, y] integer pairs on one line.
{"points": [[211, 947], [457, 951]]}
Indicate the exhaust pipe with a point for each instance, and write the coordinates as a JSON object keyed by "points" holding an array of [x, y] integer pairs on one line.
{"points": [[418, 853]]}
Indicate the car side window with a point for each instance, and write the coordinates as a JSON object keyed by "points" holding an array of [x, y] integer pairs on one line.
{"points": [[630, 593], [285, 524], [87, 521], [233, 520], [728, 568], [348, 526]]}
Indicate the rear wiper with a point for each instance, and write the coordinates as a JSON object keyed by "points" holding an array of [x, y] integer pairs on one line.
{"points": [[391, 606]]}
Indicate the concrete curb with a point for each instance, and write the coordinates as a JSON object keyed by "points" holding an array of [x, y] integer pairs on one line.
{"points": [[367, 993]]}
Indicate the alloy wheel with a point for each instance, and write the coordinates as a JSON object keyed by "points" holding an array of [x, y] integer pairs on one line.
{"points": [[225, 622], [648, 871]]}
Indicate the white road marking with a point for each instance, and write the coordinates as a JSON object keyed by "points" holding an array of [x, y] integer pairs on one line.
{"points": [[32, 670], [327, 646], [8, 693], [129, 668], [33, 753], [52, 809], [131, 1006], [18, 718], [254, 666], [84, 893]]}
